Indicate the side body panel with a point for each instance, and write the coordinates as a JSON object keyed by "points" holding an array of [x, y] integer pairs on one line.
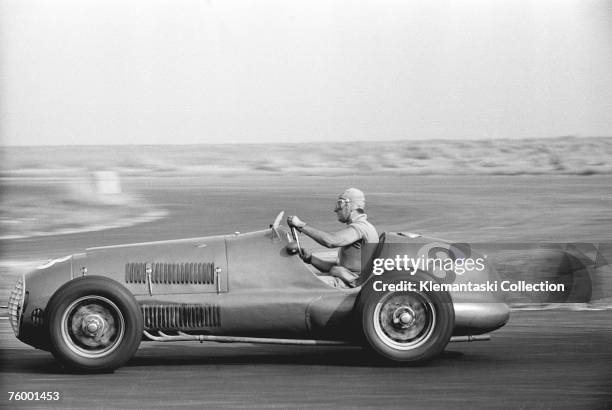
{"points": [[269, 292], [165, 268]]}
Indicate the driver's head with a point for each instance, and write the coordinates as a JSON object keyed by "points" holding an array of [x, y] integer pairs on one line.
{"points": [[350, 201]]}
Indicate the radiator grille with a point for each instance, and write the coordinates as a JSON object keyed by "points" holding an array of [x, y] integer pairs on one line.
{"points": [[15, 306], [201, 273], [180, 317]]}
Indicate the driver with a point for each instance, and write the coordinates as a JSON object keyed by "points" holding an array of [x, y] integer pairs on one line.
{"points": [[350, 209]]}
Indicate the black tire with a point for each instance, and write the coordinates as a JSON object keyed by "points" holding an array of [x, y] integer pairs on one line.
{"points": [[410, 327], [94, 324]]}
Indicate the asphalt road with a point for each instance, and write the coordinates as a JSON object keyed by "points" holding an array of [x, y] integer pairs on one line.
{"points": [[543, 359], [539, 360]]}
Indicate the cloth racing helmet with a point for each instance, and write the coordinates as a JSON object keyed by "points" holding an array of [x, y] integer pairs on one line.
{"points": [[354, 197]]}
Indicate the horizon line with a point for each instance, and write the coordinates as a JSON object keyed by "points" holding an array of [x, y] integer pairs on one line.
{"points": [[323, 142]]}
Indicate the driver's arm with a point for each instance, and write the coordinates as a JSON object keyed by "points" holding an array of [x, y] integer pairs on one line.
{"points": [[322, 265], [332, 240]]}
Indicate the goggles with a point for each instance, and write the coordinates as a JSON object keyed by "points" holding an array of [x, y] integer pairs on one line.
{"points": [[340, 203]]}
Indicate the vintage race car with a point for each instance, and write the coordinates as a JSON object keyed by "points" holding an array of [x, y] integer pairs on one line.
{"points": [[93, 309]]}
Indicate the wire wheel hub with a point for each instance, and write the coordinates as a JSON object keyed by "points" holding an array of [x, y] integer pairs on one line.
{"points": [[92, 326], [404, 321]]}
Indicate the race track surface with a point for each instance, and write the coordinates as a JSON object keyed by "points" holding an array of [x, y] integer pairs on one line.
{"points": [[541, 359]]}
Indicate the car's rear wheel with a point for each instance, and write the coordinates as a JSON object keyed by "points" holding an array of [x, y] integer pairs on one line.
{"points": [[94, 324], [410, 326]]}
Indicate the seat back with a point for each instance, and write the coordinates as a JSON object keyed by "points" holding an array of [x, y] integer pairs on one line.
{"points": [[366, 269]]}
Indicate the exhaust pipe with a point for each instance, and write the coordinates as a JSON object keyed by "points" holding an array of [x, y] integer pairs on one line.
{"points": [[471, 338]]}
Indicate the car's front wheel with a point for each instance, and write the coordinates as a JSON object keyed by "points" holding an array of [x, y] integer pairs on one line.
{"points": [[408, 326], [94, 324]]}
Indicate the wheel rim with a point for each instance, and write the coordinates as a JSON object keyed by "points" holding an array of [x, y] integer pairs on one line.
{"points": [[404, 321], [93, 326]]}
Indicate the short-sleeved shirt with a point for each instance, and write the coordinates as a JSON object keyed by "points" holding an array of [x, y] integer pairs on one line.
{"points": [[349, 256]]}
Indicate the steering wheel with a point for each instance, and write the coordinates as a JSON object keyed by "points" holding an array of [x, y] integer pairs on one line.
{"points": [[296, 238], [294, 233]]}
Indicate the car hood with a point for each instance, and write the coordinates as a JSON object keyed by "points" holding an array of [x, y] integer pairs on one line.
{"points": [[166, 243]]}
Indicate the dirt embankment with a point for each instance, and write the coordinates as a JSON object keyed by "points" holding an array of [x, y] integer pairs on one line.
{"points": [[541, 156]]}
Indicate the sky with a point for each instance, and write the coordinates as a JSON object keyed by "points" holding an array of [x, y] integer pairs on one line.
{"points": [[184, 72]]}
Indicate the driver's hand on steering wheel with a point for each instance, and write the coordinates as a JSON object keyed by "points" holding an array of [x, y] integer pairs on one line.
{"points": [[294, 221], [306, 255]]}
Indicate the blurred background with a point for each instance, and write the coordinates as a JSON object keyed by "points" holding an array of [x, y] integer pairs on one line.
{"points": [[468, 120]]}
